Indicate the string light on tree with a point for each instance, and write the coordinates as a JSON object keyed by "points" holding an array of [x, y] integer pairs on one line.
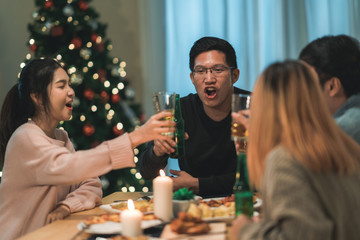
{"points": [[118, 129], [85, 53], [35, 15], [68, 10]]}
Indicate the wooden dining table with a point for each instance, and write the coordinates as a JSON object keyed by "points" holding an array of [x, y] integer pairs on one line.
{"points": [[67, 229]]}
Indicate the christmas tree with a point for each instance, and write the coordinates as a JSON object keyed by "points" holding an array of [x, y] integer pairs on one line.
{"points": [[104, 106]]}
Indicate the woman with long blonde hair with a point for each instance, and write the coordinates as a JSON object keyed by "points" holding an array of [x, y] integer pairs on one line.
{"points": [[305, 167]]}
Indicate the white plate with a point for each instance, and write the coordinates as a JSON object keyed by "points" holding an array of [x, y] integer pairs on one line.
{"points": [[114, 227], [108, 208], [257, 203], [225, 219], [229, 219]]}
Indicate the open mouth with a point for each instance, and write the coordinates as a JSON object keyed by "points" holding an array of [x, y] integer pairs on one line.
{"points": [[69, 106], [210, 92]]}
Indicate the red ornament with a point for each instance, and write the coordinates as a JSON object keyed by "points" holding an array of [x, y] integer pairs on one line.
{"points": [[48, 4], [33, 47], [57, 31], [95, 144], [104, 96], [94, 37], [83, 6], [117, 131], [88, 130], [89, 94], [102, 75], [115, 98], [100, 47], [77, 42]]}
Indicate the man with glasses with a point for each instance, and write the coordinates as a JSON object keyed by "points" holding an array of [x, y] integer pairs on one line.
{"points": [[209, 165]]}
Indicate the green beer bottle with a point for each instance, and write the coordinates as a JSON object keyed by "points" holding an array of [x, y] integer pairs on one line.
{"points": [[179, 135], [244, 203]]}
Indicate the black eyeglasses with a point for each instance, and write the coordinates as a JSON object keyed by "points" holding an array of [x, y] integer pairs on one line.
{"points": [[216, 71]]}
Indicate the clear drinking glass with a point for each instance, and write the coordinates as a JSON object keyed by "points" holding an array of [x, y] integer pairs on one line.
{"points": [[242, 191], [165, 101], [239, 132]]}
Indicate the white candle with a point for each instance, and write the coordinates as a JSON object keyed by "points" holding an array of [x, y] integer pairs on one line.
{"points": [[163, 192], [131, 221]]}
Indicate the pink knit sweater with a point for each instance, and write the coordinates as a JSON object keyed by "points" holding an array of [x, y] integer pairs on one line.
{"points": [[41, 172]]}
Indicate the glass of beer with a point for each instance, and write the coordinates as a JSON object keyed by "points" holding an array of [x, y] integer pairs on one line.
{"points": [[242, 191], [165, 101], [238, 131]]}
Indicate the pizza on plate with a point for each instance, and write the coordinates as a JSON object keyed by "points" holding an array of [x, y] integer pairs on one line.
{"points": [[113, 217], [141, 205]]}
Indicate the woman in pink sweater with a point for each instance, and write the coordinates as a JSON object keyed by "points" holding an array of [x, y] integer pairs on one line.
{"points": [[44, 178]]}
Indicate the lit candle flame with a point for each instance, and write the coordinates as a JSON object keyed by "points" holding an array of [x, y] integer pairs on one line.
{"points": [[131, 205], [162, 173]]}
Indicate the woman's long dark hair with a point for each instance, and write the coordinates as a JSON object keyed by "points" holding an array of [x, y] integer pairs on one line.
{"points": [[18, 105]]}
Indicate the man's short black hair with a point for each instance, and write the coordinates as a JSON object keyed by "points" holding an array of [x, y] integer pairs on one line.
{"points": [[335, 56], [212, 43]]}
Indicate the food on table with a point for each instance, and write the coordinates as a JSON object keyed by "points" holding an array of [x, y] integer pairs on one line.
{"points": [[149, 216], [223, 201], [213, 203], [224, 210], [186, 223], [113, 217], [210, 208], [141, 205], [103, 218], [194, 210], [223, 207], [205, 211]]}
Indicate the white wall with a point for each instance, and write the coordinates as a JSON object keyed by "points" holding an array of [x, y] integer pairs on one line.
{"points": [[14, 16]]}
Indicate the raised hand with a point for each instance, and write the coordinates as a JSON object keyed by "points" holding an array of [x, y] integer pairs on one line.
{"points": [[154, 129], [162, 147]]}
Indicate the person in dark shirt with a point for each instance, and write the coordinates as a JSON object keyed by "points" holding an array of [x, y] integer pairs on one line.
{"points": [[336, 61], [209, 165]]}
